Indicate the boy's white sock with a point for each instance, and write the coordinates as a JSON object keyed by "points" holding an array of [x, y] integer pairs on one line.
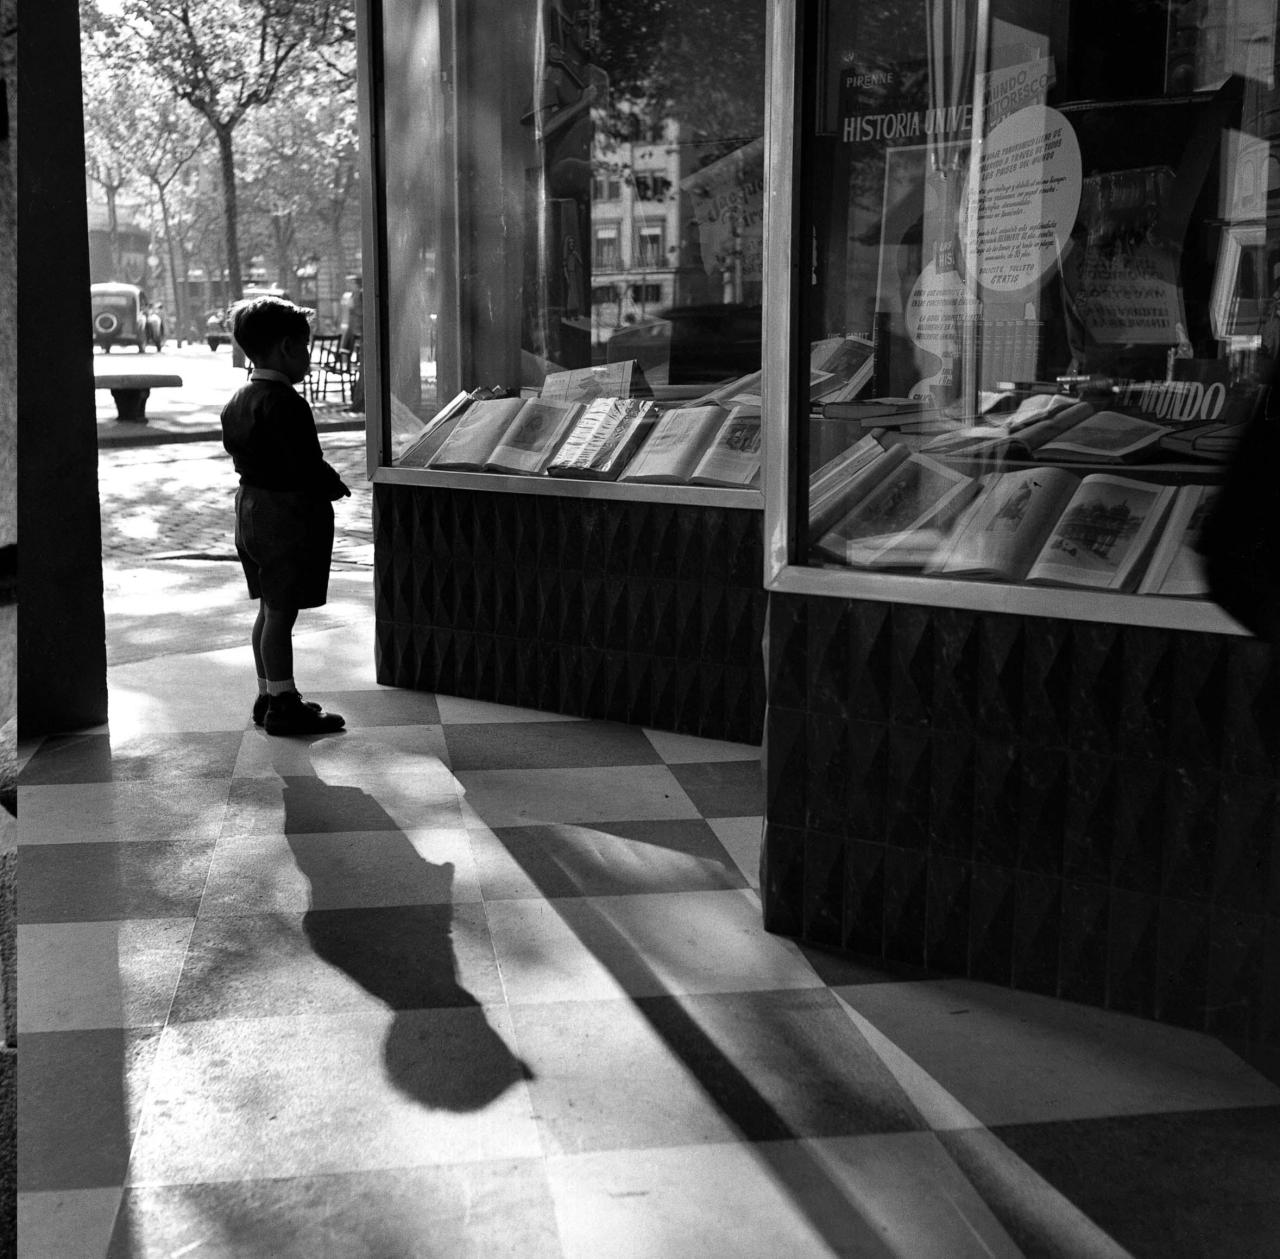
{"points": [[279, 688]]}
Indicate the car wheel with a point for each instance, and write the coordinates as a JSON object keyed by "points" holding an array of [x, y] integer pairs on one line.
{"points": [[105, 324]]}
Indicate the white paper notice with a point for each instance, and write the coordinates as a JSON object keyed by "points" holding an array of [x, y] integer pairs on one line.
{"points": [[1027, 199]]}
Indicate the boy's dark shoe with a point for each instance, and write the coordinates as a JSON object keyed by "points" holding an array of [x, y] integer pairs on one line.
{"points": [[260, 708], [291, 714]]}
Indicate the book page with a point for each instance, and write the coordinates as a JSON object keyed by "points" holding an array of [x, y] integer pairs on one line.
{"points": [[1008, 525], [1105, 435], [603, 437], [673, 448], [1177, 568], [847, 482], [533, 436], [477, 432], [916, 495], [733, 458], [585, 384], [1102, 534]]}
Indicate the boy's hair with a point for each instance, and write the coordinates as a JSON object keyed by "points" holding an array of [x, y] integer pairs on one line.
{"points": [[259, 324]]}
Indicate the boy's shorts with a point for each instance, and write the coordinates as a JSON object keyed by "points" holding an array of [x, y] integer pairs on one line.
{"points": [[284, 539]]}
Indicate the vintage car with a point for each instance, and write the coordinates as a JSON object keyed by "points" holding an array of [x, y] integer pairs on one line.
{"points": [[123, 316]]}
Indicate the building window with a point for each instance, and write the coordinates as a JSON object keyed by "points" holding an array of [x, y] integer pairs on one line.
{"points": [[651, 185], [606, 187], [646, 294], [606, 257], [651, 245]]}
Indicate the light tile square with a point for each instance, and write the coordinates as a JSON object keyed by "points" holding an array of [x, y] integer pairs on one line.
{"points": [[405, 957], [351, 1092], [121, 812], [1057, 1061], [497, 797], [98, 974], [463, 1211], [741, 837], [306, 805], [353, 757], [677, 749], [456, 710], [264, 873], [884, 1195], [760, 1066], [614, 858], [596, 948]]}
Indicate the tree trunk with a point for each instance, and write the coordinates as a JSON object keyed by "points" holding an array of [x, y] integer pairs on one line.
{"points": [[179, 320], [230, 218], [113, 231]]}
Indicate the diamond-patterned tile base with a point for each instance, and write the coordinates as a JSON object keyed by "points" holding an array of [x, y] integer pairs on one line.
{"points": [[648, 613], [1087, 811]]}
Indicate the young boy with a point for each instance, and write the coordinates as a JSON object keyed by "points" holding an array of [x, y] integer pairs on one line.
{"points": [[284, 511]]}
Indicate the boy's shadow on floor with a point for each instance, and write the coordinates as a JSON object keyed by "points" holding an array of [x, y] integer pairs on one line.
{"points": [[401, 954]]}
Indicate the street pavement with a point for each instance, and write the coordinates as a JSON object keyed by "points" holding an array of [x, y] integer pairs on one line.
{"points": [[171, 581]]}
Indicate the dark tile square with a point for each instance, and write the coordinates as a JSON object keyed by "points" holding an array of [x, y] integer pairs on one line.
{"points": [[393, 706], [80, 1096], [108, 882], [546, 745], [797, 1068], [1181, 1186], [90, 758], [723, 788], [610, 859]]}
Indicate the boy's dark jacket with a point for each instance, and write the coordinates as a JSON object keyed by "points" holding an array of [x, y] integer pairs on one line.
{"points": [[270, 434]]}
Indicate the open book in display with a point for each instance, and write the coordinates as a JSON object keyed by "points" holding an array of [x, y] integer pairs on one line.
{"points": [[533, 437], [909, 511], [1001, 536], [1176, 568], [732, 459], [848, 478], [603, 439], [839, 368], [1104, 437], [674, 445], [1104, 535], [476, 434], [608, 380]]}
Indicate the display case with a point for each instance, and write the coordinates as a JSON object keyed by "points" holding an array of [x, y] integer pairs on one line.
{"points": [[1009, 736], [564, 394], [1063, 263]]}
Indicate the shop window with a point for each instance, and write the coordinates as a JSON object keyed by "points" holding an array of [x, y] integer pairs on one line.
{"points": [[1030, 359], [595, 123]]}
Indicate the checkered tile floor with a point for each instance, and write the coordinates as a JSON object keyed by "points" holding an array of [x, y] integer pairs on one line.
{"points": [[473, 981]]}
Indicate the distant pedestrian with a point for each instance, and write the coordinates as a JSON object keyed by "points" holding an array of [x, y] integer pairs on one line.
{"points": [[284, 506]]}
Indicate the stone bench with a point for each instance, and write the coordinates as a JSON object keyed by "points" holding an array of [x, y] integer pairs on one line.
{"points": [[131, 390]]}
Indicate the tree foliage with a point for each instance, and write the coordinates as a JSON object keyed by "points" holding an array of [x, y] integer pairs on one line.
{"points": [[696, 61], [226, 60]]}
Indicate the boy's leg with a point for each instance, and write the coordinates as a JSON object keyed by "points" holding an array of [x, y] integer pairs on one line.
{"points": [[275, 644], [287, 712]]}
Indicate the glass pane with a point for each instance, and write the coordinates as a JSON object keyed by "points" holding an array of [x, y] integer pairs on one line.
{"points": [[415, 133], [1043, 293], [609, 184]]}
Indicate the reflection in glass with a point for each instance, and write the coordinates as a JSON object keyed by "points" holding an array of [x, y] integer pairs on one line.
{"points": [[608, 200], [1050, 225]]}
